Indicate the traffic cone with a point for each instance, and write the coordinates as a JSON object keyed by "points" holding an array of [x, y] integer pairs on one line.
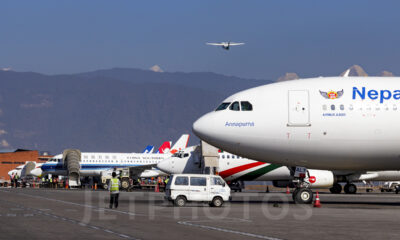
{"points": [[287, 190], [66, 184], [317, 203], [157, 188], [95, 186]]}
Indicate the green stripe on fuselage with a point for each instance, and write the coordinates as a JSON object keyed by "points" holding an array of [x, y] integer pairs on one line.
{"points": [[258, 173]]}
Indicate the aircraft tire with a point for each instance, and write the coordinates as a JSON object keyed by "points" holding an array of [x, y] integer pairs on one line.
{"points": [[303, 196], [295, 193], [350, 188], [336, 188]]}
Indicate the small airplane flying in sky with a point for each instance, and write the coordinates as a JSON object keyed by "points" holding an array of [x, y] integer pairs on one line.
{"points": [[225, 45]]}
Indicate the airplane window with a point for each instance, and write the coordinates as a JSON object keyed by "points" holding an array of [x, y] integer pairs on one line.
{"points": [[235, 106], [341, 107], [333, 107], [324, 107], [223, 106], [223, 156], [227, 156], [246, 106], [394, 107], [386, 107], [351, 107], [377, 108]]}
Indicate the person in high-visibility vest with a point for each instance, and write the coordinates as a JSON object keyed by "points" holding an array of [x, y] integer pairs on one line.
{"points": [[114, 190]]}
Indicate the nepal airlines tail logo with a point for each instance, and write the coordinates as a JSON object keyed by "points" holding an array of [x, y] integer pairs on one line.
{"points": [[332, 94]]}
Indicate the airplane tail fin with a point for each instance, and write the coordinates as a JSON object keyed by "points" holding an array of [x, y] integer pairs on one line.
{"points": [[148, 149], [165, 147], [181, 143]]}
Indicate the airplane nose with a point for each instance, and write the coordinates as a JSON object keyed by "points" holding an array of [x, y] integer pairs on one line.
{"points": [[36, 172], [202, 127], [165, 166]]}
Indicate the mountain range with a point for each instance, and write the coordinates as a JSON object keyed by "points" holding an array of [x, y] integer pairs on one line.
{"points": [[114, 110]]}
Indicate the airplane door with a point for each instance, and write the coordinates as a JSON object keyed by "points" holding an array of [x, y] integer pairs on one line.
{"points": [[299, 108]]}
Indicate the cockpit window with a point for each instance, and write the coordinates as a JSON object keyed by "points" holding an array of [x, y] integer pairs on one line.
{"points": [[235, 106], [180, 154], [223, 106], [246, 106]]}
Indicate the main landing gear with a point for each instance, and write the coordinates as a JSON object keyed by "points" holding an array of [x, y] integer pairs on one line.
{"points": [[350, 188], [336, 188]]}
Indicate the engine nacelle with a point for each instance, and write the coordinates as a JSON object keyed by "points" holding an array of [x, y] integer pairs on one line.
{"points": [[320, 178]]}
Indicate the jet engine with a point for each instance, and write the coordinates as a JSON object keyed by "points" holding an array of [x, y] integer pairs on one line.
{"points": [[71, 160], [320, 178]]}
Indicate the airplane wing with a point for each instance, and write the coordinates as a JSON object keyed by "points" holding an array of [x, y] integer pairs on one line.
{"points": [[235, 44], [215, 44]]}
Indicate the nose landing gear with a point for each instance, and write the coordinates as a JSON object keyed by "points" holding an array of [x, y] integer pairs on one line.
{"points": [[302, 195]]}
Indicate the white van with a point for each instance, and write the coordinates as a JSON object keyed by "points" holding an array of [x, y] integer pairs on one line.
{"points": [[197, 187]]}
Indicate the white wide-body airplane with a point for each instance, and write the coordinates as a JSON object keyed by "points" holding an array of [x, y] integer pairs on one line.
{"points": [[236, 168], [225, 45], [100, 163], [334, 123]]}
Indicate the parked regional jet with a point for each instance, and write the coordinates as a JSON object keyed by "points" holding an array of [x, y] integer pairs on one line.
{"points": [[235, 168], [225, 45], [335, 123], [26, 170], [97, 163]]}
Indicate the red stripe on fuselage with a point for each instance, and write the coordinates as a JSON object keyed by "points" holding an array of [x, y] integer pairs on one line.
{"points": [[231, 171]]}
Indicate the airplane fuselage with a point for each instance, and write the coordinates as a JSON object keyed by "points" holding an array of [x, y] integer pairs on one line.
{"points": [[323, 123]]}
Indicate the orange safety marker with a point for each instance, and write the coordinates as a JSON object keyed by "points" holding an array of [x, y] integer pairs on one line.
{"points": [[157, 188], [95, 186], [287, 190], [317, 203], [66, 184]]}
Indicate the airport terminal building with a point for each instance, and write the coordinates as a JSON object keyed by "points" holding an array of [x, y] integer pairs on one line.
{"points": [[10, 159]]}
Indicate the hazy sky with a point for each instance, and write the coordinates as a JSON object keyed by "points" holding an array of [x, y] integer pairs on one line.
{"points": [[310, 38]]}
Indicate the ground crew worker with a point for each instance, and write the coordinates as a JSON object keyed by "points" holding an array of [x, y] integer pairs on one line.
{"points": [[166, 180], [114, 190]]}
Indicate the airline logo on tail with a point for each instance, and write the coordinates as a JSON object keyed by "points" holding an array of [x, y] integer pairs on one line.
{"points": [[149, 149], [165, 147], [181, 143]]}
